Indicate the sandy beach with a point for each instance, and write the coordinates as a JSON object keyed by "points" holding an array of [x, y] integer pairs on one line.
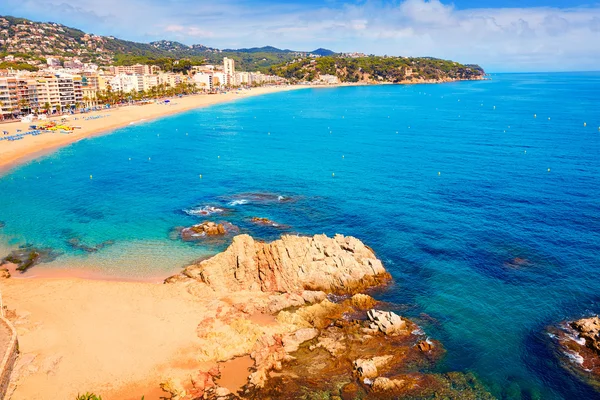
{"points": [[16, 152], [117, 339]]}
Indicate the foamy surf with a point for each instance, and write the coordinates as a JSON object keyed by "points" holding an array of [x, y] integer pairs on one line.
{"points": [[203, 211]]}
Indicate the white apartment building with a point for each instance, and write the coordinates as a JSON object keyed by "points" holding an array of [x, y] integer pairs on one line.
{"points": [[125, 83], [229, 71], [203, 80]]}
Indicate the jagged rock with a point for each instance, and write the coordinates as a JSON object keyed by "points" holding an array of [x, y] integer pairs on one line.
{"points": [[265, 222], [425, 346], [368, 368], [282, 301], [206, 228], [292, 264], [589, 329], [387, 322], [382, 384], [363, 301], [292, 341], [311, 296], [222, 392], [174, 388]]}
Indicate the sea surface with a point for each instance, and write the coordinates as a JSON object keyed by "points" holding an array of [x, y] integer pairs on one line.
{"points": [[482, 199]]}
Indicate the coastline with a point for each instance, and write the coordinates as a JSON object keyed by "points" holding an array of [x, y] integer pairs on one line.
{"points": [[18, 152]]}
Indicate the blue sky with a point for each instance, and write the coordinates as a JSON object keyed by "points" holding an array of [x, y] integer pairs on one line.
{"points": [[500, 35]]}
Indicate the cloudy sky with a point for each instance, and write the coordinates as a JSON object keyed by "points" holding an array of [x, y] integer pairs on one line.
{"points": [[500, 35]]}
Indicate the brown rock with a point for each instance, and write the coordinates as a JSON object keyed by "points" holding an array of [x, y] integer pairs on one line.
{"points": [[425, 346], [4, 274], [292, 264], [589, 329], [204, 229]]}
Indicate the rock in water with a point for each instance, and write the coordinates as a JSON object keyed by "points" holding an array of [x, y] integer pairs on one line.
{"points": [[206, 228], [387, 322], [589, 329], [291, 264]]}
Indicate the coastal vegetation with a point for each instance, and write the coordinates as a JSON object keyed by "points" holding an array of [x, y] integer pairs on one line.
{"points": [[374, 68], [30, 42]]}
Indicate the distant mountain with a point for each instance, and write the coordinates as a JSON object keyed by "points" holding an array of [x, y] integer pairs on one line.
{"points": [[323, 52]]}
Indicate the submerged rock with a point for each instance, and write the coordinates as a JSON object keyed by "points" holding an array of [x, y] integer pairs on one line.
{"points": [[2, 224], [27, 256], [267, 222], [292, 264], [78, 245]]}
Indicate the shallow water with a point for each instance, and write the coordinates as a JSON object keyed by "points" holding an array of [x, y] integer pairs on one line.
{"points": [[454, 195]]}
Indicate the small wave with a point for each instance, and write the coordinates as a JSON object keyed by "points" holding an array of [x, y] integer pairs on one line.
{"points": [[206, 210], [580, 341], [281, 198], [418, 332], [575, 357], [238, 202]]}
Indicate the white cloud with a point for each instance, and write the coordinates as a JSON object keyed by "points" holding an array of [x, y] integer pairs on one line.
{"points": [[540, 38]]}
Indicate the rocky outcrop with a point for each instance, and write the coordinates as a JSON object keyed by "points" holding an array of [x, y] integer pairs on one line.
{"points": [[589, 330], [339, 346], [387, 322], [577, 345], [207, 228], [291, 264]]}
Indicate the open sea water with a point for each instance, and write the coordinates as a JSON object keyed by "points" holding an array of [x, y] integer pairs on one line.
{"points": [[481, 198]]}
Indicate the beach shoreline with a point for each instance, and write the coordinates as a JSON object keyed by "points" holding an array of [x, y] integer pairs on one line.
{"points": [[15, 153]]}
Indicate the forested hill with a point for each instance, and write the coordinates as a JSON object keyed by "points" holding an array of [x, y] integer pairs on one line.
{"points": [[31, 42], [378, 69]]}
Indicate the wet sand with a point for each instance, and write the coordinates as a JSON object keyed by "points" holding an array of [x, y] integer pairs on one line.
{"points": [[15, 152]]}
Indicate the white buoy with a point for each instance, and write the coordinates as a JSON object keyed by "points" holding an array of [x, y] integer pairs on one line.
{"points": [[129, 158], [534, 115], [200, 176], [218, 156], [91, 177], [494, 107], [525, 152], [584, 124], [548, 169], [269, 133], [548, 118], [332, 174], [343, 157], [439, 173], [187, 133]]}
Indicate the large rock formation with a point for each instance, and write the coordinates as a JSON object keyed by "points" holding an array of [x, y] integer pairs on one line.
{"points": [[291, 264], [311, 343]]}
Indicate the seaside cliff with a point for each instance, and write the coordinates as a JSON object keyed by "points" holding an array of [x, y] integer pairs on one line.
{"points": [[293, 306]]}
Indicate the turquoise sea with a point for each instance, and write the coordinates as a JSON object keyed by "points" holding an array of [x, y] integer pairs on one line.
{"points": [[487, 216]]}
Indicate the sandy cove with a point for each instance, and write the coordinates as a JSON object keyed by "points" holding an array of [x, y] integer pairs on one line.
{"points": [[19, 151]]}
